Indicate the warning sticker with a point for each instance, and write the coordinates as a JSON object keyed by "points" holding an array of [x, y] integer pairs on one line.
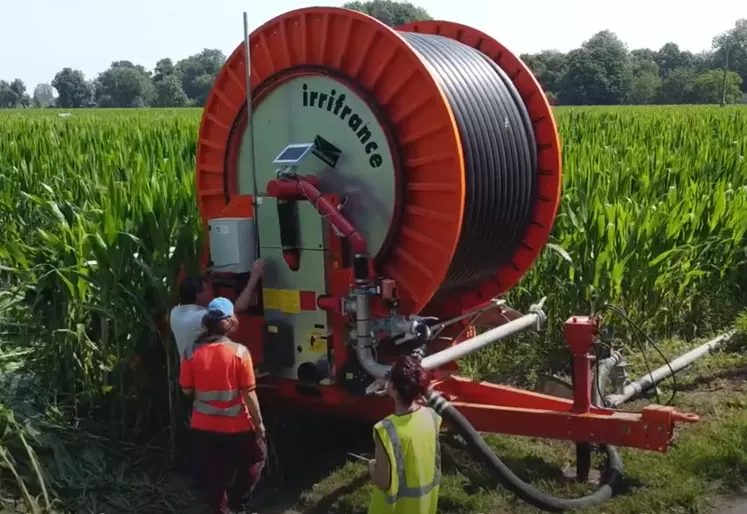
{"points": [[317, 340], [283, 300]]}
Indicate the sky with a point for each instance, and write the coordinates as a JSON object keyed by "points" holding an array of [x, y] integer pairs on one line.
{"points": [[40, 37]]}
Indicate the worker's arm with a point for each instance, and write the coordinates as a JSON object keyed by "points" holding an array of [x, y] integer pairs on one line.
{"points": [[248, 297], [379, 467], [252, 403], [248, 390], [186, 377]]}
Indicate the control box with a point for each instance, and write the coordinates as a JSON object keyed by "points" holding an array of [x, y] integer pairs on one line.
{"points": [[232, 244]]}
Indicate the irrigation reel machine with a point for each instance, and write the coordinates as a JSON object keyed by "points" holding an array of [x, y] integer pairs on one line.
{"points": [[396, 182]]}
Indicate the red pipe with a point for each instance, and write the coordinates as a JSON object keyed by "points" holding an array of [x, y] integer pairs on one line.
{"points": [[285, 189], [292, 258], [329, 303]]}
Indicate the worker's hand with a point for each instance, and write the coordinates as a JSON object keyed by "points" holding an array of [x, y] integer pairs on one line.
{"points": [[371, 466], [261, 432], [377, 387], [258, 268]]}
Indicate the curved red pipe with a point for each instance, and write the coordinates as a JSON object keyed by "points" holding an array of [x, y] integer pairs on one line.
{"points": [[285, 189]]}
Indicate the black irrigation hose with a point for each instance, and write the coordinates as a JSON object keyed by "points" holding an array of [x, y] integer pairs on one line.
{"points": [[607, 485], [500, 156]]}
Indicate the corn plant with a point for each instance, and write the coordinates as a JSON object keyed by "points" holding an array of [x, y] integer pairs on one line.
{"points": [[98, 215], [653, 218], [98, 211]]}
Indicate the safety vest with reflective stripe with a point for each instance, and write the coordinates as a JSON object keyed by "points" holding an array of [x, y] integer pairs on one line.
{"points": [[414, 452], [225, 403]]}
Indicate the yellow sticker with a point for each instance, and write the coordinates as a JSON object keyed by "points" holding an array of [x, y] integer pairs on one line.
{"points": [[317, 340], [272, 329], [283, 300]]}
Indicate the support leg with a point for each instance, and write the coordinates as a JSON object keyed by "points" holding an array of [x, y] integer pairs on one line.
{"points": [[581, 374], [583, 461]]}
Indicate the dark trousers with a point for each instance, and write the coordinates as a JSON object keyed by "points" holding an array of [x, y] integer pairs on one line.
{"points": [[231, 466], [195, 471]]}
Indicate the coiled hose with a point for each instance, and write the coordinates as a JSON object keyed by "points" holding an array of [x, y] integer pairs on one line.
{"points": [[500, 157], [513, 483]]}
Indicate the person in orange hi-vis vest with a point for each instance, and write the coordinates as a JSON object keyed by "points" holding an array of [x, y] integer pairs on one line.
{"points": [[226, 420], [185, 321]]}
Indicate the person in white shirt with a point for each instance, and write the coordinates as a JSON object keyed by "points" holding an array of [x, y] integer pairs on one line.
{"points": [[194, 294], [186, 320]]}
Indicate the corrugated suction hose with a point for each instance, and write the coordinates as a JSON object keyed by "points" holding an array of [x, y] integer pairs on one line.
{"points": [[513, 483], [500, 156]]}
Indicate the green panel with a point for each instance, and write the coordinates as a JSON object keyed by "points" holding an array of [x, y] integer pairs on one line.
{"points": [[312, 225], [267, 223], [365, 180], [310, 276]]}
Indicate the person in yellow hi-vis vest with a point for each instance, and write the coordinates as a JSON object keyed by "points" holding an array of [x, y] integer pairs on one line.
{"points": [[406, 468]]}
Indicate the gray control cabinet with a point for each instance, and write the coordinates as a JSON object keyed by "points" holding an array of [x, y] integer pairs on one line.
{"points": [[232, 244]]}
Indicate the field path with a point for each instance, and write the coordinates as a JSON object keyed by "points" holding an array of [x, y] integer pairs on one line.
{"points": [[733, 505], [739, 507]]}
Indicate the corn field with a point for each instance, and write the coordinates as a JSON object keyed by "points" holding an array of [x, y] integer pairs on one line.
{"points": [[98, 213]]}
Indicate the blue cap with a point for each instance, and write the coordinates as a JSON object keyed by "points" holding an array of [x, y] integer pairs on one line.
{"points": [[220, 308]]}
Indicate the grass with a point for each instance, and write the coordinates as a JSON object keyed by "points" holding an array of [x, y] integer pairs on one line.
{"points": [[98, 214]]}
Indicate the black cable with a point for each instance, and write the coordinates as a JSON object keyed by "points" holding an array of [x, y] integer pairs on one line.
{"points": [[477, 445], [600, 391], [623, 315], [500, 157]]}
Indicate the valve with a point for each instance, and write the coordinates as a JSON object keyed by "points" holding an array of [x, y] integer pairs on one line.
{"points": [[407, 328], [619, 377]]}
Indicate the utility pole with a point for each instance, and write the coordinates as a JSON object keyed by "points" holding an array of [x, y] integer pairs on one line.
{"points": [[726, 71], [250, 128]]}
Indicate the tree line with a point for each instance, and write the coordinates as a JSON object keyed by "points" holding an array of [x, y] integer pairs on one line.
{"points": [[184, 84], [602, 71]]}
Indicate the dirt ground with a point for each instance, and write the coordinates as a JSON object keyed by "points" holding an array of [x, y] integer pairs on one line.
{"points": [[736, 506]]}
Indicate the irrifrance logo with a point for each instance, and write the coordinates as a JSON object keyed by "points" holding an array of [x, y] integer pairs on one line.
{"points": [[337, 106]]}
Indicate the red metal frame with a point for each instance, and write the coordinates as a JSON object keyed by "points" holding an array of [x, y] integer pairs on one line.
{"points": [[502, 409], [489, 407]]}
